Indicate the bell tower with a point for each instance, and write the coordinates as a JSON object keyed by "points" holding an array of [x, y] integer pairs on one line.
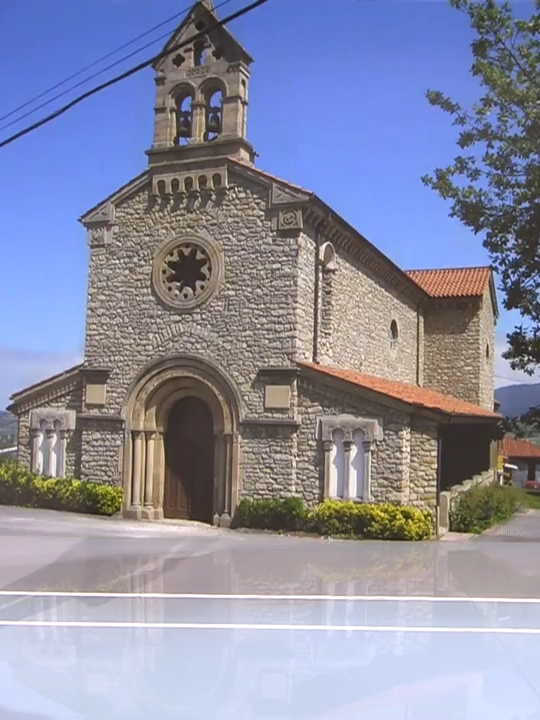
{"points": [[202, 93]]}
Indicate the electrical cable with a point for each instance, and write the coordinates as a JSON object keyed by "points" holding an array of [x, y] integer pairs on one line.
{"points": [[93, 64], [128, 73]]}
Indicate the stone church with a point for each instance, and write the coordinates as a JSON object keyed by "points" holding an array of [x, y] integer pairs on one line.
{"points": [[243, 340]]}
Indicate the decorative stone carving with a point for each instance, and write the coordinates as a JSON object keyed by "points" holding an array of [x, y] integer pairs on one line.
{"points": [[100, 226], [52, 419], [286, 195], [349, 424], [290, 220], [187, 272], [49, 430]]}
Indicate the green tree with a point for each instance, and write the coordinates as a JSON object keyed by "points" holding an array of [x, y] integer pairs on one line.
{"points": [[493, 183]]}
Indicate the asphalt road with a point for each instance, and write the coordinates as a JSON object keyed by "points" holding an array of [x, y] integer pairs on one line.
{"points": [[110, 619]]}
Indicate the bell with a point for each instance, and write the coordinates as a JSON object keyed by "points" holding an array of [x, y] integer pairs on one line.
{"points": [[184, 126], [213, 124]]}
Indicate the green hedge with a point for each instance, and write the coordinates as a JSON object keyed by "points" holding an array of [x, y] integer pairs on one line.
{"points": [[24, 489], [482, 507], [336, 518]]}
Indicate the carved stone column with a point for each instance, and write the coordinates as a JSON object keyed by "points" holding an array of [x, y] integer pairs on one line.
{"points": [[327, 445], [62, 455], [366, 494], [136, 478], [347, 445], [34, 434], [148, 511], [225, 519], [198, 121], [48, 455]]}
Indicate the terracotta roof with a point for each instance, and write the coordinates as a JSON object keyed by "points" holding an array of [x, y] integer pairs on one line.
{"points": [[411, 394], [452, 282], [514, 448]]}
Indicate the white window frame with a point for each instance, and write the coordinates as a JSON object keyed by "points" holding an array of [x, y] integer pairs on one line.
{"points": [[344, 438]]}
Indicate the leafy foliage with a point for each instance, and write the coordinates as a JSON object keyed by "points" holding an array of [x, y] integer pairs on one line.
{"points": [[337, 518], [482, 507], [24, 489], [493, 184]]}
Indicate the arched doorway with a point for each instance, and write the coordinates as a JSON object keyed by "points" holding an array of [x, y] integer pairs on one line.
{"points": [[181, 449], [189, 461]]}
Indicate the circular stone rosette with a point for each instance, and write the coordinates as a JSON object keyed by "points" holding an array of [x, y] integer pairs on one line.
{"points": [[187, 272]]}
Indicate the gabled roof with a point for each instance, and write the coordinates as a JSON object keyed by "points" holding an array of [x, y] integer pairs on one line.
{"points": [[409, 394], [453, 282], [464, 282], [200, 9], [515, 448], [59, 379]]}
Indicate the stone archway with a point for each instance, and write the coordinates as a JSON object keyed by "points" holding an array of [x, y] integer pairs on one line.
{"points": [[151, 400]]}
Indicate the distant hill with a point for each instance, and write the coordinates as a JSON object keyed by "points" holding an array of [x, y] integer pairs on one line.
{"points": [[8, 425], [518, 399]]}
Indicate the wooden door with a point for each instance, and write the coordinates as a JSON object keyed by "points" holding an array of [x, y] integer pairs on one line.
{"points": [[189, 460]]}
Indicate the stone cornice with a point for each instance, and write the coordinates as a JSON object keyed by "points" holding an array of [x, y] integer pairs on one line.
{"points": [[87, 419], [291, 423], [45, 391], [336, 230], [98, 376], [278, 374]]}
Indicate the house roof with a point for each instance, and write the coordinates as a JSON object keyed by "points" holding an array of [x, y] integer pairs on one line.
{"points": [[414, 395], [452, 282], [514, 448], [36, 387]]}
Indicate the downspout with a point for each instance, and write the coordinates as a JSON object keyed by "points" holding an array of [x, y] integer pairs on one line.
{"points": [[316, 303], [418, 343]]}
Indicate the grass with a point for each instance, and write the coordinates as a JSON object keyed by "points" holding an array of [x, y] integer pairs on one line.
{"points": [[530, 499]]}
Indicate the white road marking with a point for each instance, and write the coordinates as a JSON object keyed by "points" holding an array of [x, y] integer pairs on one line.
{"points": [[271, 626], [306, 598]]}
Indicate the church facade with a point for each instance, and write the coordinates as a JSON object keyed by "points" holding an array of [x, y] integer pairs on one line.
{"points": [[243, 340]]}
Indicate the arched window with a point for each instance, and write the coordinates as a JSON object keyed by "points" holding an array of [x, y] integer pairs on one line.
{"points": [[214, 114], [394, 333], [184, 118]]}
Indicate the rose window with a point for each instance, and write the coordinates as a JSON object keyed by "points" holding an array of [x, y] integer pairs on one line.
{"points": [[187, 272]]}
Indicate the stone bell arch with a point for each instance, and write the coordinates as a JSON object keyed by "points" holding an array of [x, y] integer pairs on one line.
{"points": [[146, 412]]}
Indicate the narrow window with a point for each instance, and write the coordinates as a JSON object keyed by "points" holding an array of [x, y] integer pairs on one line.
{"points": [[184, 119], [357, 490], [214, 115], [336, 486], [394, 333]]}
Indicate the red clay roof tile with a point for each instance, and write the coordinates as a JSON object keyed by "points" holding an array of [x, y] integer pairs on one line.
{"points": [[405, 392], [514, 448], [452, 282]]}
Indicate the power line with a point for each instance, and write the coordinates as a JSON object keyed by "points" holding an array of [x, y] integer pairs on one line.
{"points": [[93, 64], [132, 71], [94, 75]]}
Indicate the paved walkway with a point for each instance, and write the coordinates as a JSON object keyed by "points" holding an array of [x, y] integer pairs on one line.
{"points": [[522, 527]]}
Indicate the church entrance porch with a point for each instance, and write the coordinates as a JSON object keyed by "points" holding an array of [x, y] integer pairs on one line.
{"points": [[181, 448], [189, 461]]}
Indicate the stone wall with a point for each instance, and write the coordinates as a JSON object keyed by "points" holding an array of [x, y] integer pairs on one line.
{"points": [[251, 322], [448, 497], [487, 353], [424, 461], [457, 335], [356, 312], [268, 463], [389, 458]]}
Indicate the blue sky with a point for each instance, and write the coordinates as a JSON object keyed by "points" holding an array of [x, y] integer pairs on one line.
{"points": [[337, 104]]}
